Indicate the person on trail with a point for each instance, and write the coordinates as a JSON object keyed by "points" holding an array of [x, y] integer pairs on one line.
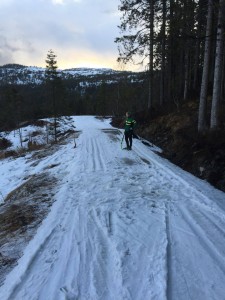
{"points": [[129, 130]]}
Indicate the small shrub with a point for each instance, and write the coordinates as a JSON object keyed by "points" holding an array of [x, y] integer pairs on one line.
{"points": [[40, 123], [5, 143], [10, 153], [35, 133], [34, 146]]}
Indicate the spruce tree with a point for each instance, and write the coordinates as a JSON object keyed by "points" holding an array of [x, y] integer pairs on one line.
{"points": [[52, 78]]}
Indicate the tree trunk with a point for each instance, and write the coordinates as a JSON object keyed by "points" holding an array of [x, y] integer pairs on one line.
{"points": [[205, 74], [171, 71], [54, 112], [21, 137], [223, 80], [197, 46], [186, 69], [162, 85], [150, 96], [217, 84]]}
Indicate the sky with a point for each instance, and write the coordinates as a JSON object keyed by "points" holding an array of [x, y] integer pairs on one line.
{"points": [[80, 32]]}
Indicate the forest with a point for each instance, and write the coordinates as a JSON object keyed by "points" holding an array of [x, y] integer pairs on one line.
{"points": [[181, 45], [183, 42], [101, 94]]}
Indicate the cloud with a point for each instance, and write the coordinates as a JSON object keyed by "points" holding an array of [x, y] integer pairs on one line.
{"points": [[30, 28], [58, 1], [10, 49], [6, 2], [62, 2]]}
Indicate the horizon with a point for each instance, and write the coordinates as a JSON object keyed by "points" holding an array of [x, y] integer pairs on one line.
{"points": [[71, 68], [138, 69], [81, 33]]}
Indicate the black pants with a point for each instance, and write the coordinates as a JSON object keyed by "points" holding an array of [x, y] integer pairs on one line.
{"points": [[128, 138]]}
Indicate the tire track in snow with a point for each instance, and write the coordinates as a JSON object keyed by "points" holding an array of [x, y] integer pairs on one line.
{"points": [[185, 278], [206, 235], [193, 252], [100, 163], [84, 279], [103, 159], [106, 266], [95, 158], [184, 181]]}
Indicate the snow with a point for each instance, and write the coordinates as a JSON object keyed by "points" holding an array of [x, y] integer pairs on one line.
{"points": [[24, 75], [11, 174], [88, 71], [37, 134], [125, 225]]}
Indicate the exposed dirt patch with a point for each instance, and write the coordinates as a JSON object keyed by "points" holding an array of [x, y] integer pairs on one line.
{"points": [[51, 149], [51, 166], [129, 161], [113, 134], [21, 214], [145, 161], [62, 139]]}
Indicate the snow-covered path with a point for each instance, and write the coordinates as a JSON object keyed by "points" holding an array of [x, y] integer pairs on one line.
{"points": [[126, 225]]}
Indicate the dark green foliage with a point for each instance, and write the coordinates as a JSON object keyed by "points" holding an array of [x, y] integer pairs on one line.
{"points": [[54, 87]]}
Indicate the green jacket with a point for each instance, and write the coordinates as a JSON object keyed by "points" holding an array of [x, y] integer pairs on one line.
{"points": [[129, 124]]}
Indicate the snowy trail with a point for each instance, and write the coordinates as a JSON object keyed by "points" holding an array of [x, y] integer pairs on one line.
{"points": [[126, 225]]}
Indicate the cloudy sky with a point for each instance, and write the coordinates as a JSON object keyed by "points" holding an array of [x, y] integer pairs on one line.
{"points": [[80, 32]]}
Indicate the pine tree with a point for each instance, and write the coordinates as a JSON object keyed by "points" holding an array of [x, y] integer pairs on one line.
{"points": [[52, 78], [138, 20]]}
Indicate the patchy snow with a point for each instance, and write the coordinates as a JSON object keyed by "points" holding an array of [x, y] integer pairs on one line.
{"points": [[88, 71], [125, 225], [24, 75], [12, 172], [39, 134]]}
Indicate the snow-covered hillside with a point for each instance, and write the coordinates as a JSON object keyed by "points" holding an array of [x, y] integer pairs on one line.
{"points": [[18, 74], [123, 225]]}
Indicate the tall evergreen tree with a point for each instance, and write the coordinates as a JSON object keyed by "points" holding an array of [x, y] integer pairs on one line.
{"points": [[138, 21], [52, 79]]}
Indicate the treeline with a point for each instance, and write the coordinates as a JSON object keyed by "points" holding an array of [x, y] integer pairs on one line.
{"points": [[103, 94], [182, 43], [19, 103]]}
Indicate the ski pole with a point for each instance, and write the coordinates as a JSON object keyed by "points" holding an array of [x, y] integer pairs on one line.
{"points": [[74, 139], [122, 141]]}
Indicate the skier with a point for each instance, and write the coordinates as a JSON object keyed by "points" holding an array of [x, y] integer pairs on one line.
{"points": [[129, 127]]}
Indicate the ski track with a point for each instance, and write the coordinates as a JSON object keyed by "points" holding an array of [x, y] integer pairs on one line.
{"points": [[125, 225]]}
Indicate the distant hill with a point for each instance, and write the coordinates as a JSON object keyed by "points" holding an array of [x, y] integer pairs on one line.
{"points": [[22, 75]]}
